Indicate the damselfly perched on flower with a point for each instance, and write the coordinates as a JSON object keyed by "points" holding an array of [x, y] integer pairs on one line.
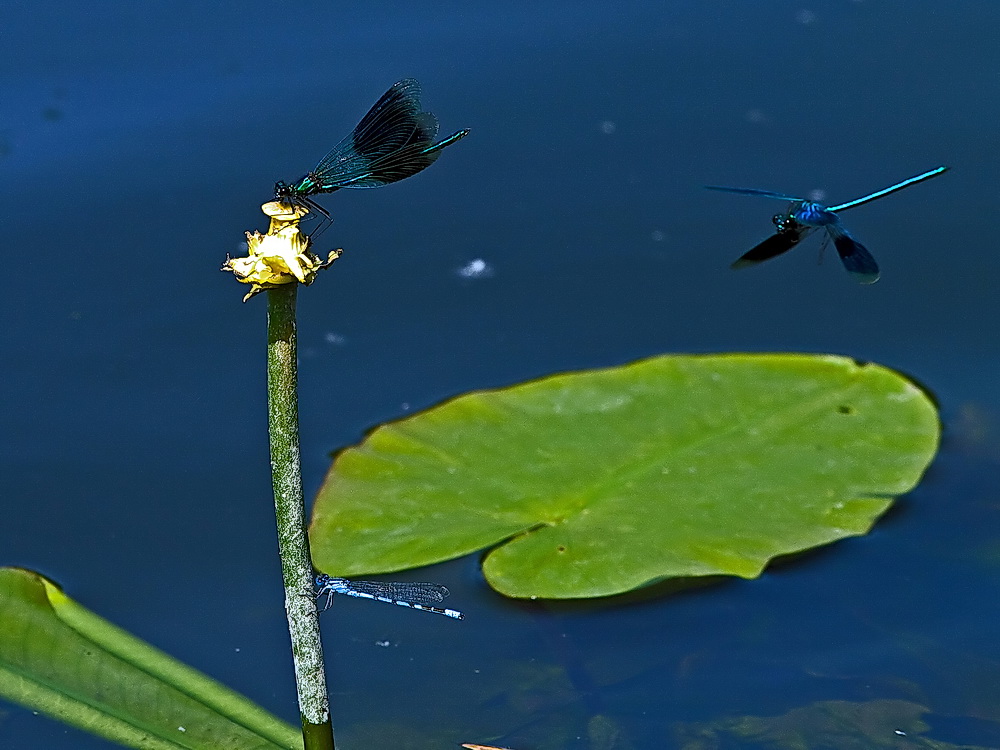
{"points": [[395, 140]]}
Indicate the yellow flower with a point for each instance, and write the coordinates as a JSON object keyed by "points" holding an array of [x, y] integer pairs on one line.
{"points": [[281, 256]]}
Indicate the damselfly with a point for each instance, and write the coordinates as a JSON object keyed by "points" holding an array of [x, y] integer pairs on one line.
{"points": [[395, 140], [805, 216], [413, 595]]}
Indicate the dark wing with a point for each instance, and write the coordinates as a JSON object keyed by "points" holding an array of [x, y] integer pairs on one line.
{"points": [[393, 141], [855, 256], [406, 162], [788, 237]]}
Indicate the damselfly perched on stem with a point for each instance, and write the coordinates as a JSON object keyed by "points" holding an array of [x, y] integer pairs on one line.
{"points": [[413, 595]]}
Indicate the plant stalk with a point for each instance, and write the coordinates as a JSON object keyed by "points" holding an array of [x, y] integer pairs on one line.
{"points": [[293, 542]]}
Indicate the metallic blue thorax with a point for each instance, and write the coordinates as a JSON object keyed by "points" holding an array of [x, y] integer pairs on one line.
{"points": [[812, 214]]}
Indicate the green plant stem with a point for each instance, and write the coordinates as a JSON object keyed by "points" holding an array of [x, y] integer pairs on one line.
{"points": [[293, 543]]}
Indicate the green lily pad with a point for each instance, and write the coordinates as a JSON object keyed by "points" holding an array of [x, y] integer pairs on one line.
{"points": [[60, 659], [596, 483]]}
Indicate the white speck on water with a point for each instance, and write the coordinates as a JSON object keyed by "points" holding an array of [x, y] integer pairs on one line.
{"points": [[475, 269], [335, 338], [608, 127], [805, 17], [657, 236]]}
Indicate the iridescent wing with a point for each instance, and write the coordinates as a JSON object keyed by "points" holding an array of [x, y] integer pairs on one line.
{"points": [[755, 191], [856, 259], [395, 140]]}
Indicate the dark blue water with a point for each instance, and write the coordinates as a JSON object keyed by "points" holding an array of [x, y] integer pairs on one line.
{"points": [[136, 144]]}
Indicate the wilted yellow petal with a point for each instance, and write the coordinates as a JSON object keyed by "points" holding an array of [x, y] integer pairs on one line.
{"points": [[281, 256]]}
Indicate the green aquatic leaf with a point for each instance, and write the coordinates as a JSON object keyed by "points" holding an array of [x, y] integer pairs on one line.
{"points": [[60, 659], [596, 483]]}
